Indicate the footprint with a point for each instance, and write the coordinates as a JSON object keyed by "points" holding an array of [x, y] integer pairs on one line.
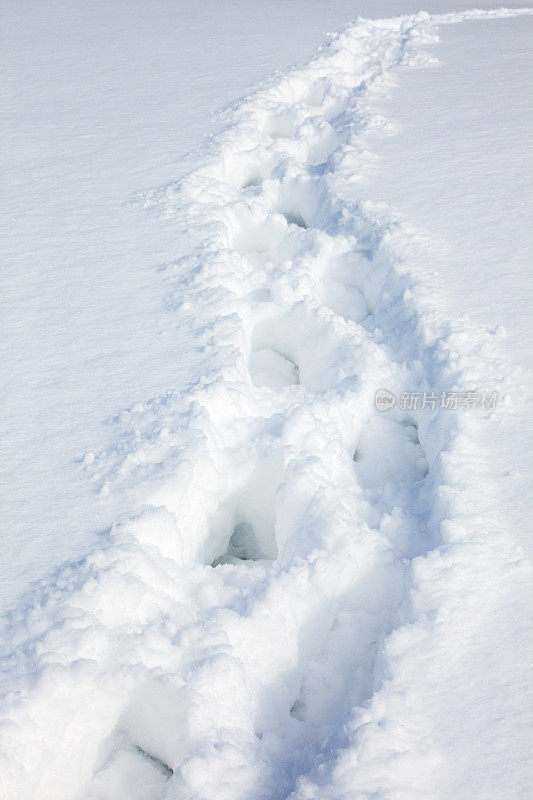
{"points": [[243, 528]]}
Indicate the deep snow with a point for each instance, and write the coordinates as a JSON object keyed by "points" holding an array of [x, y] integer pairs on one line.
{"points": [[314, 586]]}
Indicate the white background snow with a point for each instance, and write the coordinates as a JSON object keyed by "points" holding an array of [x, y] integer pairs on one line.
{"points": [[385, 652]]}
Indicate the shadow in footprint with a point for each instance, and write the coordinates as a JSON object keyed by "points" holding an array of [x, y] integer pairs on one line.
{"points": [[131, 772], [270, 368], [242, 546], [252, 182], [157, 763], [389, 452], [294, 219]]}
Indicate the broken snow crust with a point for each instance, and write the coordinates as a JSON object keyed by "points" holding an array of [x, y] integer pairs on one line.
{"points": [[253, 630]]}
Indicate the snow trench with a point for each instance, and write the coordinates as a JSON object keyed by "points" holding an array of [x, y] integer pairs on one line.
{"points": [[244, 635]]}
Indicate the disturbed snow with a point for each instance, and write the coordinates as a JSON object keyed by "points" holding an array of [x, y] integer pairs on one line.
{"points": [[253, 631]]}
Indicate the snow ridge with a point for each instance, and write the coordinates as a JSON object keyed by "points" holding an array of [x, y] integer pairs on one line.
{"points": [[250, 633]]}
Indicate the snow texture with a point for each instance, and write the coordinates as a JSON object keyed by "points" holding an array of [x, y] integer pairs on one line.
{"points": [[255, 631]]}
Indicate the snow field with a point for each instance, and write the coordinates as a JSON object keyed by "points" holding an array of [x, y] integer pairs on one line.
{"points": [[253, 630]]}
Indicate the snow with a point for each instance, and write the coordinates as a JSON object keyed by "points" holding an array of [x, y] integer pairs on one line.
{"points": [[301, 597], [100, 101], [482, 258]]}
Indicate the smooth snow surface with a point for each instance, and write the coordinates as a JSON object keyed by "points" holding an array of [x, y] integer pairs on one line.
{"points": [[308, 589]]}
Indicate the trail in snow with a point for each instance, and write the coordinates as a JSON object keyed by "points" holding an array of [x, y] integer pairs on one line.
{"points": [[248, 634]]}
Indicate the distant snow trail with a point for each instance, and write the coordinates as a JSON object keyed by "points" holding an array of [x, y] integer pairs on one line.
{"points": [[232, 641]]}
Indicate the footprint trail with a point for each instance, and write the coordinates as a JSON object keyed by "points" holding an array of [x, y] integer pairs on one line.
{"points": [[231, 640]]}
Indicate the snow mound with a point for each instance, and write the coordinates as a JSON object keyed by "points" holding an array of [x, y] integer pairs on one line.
{"points": [[251, 632]]}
